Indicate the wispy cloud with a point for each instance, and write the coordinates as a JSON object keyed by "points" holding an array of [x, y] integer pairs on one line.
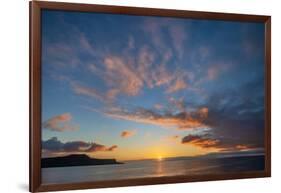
{"points": [[178, 85], [87, 91], [125, 75], [125, 72], [181, 120], [121, 76], [60, 123], [176, 31], [178, 35], [67, 54]]}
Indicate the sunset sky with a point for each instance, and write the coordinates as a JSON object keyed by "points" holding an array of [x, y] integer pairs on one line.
{"points": [[137, 87]]}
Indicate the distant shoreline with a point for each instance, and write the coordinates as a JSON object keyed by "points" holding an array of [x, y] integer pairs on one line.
{"points": [[150, 168], [75, 160]]}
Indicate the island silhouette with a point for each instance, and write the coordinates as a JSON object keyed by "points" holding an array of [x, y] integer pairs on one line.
{"points": [[75, 160]]}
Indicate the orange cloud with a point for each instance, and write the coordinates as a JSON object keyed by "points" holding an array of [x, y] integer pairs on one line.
{"points": [[128, 75], [205, 141], [200, 141], [243, 147], [203, 112], [60, 123], [182, 120], [127, 134]]}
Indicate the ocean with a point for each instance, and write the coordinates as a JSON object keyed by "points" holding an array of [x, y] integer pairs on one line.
{"points": [[153, 168]]}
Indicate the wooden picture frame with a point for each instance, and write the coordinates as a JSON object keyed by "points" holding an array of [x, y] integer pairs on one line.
{"points": [[36, 8]]}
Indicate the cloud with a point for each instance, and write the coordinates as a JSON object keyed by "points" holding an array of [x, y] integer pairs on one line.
{"points": [[181, 120], [162, 76], [178, 35], [177, 104], [207, 141], [126, 134], [85, 45], [55, 146], [127, 72], [144, 66], [200, 141], [157, 29], [68, 54], [129, 75], [107, 97], [87, 91], [131, 42], [94, 147], [58, 55], [158, 106], [121, 76], [236, 120], [60, 123], [178, 85], [212, 73]]}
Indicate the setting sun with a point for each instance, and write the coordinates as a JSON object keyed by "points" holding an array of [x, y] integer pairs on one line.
{"points": [[160, 158]]}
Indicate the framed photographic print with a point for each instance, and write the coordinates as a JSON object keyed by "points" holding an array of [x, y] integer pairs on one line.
{"points": [[123, 96]]}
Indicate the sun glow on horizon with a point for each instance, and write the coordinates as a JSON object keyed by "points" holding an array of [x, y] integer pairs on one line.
{"points": [[159, 158]]}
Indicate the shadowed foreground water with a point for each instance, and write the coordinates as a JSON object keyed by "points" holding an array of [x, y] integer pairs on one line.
{"points": [[152, 168]]}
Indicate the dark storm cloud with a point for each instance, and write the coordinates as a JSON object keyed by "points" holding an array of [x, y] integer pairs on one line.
{"points": [[56, 146], [236, 119]]}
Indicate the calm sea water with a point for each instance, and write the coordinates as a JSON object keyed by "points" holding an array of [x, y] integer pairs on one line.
{"points": [[152, 168]]}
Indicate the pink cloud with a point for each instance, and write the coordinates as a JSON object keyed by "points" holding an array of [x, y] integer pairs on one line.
{"points": [[121, 76], [177, 104], [158, 106], [212, 73], [162, 76], [178, 35], [87, 91], [60, 123], [127, 134], [178, 85]]}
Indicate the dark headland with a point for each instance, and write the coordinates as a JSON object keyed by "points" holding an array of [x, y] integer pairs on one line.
{"points": [[75, 160]]}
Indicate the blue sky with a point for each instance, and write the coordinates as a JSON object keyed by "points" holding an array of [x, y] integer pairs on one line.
{"points": [[151, 86]]}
